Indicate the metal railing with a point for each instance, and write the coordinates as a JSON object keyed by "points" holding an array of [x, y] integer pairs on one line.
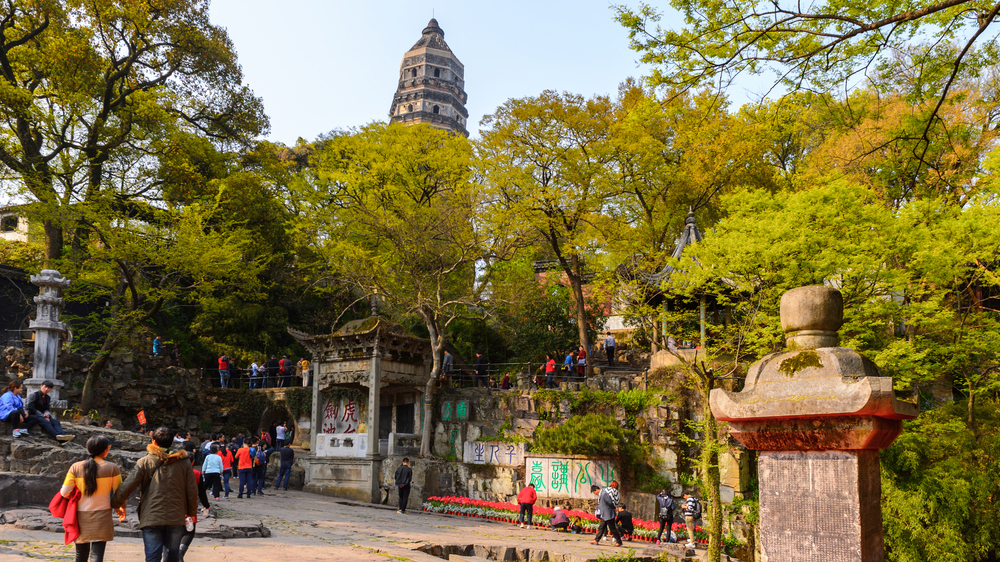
{"points": [[18, 338], [241, 378], [463, 376]]}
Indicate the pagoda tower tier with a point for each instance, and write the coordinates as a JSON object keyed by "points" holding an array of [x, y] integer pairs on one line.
{"points": [[431, 85]]}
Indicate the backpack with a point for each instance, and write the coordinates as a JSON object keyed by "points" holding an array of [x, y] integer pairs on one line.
{"points": [[666, 505], [695, 508], [261, 458]]}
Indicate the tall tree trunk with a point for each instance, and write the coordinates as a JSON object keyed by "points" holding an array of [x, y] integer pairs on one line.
{"points": [[88, 400], [972, 407], [710, 469], [575, 275], [437, 347], [713, 479], [581, 316], [53, 242]]}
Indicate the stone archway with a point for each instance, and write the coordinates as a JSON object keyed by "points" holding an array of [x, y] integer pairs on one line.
{"points": [[275, 412]]}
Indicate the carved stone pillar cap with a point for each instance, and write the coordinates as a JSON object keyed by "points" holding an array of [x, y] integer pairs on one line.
{"points": [[50, 278], [811, 316]]}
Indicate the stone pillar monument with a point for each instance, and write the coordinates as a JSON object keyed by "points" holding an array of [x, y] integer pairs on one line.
{"points": [[48, 332], [374, 403], [818, 414]]}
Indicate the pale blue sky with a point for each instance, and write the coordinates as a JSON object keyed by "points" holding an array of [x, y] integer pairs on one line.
{"points": [[327, 64]]}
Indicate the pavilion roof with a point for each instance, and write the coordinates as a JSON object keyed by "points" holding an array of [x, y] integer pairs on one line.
{"points": [[690, 235]]}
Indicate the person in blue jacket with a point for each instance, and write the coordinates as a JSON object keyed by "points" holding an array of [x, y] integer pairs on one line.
{"points": [[569, 365], [12, 408]]}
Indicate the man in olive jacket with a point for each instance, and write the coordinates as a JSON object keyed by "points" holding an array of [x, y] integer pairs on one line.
{"points": [[169, 495]]}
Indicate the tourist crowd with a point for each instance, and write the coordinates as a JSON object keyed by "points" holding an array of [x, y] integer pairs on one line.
{"points": [[270, 373], [174, 477], [614, 516], [572, 368]]}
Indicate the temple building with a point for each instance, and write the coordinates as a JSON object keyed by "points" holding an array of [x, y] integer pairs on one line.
{"points": [[431, 85]]}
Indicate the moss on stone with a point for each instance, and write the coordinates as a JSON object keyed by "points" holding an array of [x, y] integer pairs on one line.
{"points": [[801, 360]]}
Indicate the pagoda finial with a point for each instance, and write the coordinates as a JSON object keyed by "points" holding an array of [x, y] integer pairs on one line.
{"points": [[433, 27]]}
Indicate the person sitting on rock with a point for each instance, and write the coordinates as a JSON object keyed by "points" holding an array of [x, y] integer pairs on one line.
{"points": [[39, 414], [12, 407]]}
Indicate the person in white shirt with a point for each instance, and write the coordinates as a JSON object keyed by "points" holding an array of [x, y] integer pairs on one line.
{"points": [[254, 381], [279, 435], [609, 349]]}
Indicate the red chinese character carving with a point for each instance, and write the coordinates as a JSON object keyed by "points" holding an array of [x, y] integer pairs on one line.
{"points": [[330, 415], [351, 416]]}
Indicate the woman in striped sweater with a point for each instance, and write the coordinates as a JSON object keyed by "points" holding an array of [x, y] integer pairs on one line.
{"points": [[96, 479]]}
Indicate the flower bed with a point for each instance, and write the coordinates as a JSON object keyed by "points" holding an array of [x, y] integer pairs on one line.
{"points": [[502, 511]]}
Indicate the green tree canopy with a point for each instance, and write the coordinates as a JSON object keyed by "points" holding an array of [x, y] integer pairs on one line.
{"points": [[93, 94], [545, 162], [391, 212]]}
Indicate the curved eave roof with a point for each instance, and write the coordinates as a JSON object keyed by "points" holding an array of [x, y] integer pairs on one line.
{"points": [[690, 235]]}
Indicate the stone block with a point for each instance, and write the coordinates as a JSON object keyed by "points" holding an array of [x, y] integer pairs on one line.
{"points": [[503, 553], [538, 555], [565, 407], [30, 525], [821, 505], [8, 492]]}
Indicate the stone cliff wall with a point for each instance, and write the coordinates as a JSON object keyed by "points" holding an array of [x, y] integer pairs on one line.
{"points": [[169, 396]]}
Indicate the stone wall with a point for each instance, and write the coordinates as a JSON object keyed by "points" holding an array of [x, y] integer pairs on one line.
{"points": [[170, 396], [520, 413]]}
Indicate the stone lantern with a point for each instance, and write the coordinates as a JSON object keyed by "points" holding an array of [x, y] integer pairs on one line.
{"points": [[818, 415], [48, 332]]}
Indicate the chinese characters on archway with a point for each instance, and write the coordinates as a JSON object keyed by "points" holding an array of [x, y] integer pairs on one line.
{"points": [[341, 415], [567, 477]]}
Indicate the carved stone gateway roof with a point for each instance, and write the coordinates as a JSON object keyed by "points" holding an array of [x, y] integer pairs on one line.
{"points": [[343, 358], [369, 325], [366, 332]]}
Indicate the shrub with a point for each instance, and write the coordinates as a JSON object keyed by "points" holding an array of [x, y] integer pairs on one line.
{"points": [[940, 484], [594, 436]]}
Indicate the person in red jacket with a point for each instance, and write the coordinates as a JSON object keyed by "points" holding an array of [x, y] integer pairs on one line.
{"points": [[227, 466], [223, 371], [526, 497], [284, 370], [244, 466]]}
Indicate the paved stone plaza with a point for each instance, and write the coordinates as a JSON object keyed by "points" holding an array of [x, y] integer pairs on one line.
{"points": [[306, 527]]}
